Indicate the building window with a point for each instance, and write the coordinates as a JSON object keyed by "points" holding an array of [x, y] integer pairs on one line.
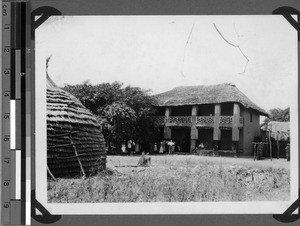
{"points": [[250, 116]]}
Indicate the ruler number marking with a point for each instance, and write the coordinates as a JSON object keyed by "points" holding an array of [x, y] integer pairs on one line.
{"points": [[6, 205], [4, 10], [6, 26], [6, 71], [6, 116], [6, 49]]}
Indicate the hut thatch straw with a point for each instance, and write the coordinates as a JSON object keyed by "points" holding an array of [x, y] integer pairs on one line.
{"points": [[75, 144], [212, 94]]}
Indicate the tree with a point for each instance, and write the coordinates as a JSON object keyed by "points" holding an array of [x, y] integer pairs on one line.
{"points": [[144, 130], [122, 118], [281, 115], [97, 97], [126, 113]]}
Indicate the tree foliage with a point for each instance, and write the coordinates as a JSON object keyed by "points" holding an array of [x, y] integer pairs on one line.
{"points": [[126, 112], [281, 115], [96, 97]]}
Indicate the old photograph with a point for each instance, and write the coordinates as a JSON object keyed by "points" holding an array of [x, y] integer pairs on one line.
{"points": [[166, 114]]}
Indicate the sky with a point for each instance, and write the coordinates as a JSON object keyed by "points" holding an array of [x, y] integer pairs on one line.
{"points": [[163, 52]]}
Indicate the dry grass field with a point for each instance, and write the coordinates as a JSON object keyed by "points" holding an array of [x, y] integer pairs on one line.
{"points": [[178, 178]]}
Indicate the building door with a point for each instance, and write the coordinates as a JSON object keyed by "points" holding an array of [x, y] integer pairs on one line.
{"points": [[182, 138], [205, 136], [226, 139]]}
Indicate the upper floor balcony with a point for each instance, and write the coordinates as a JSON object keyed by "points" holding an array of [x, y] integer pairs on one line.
{"points": [[201, 121]]}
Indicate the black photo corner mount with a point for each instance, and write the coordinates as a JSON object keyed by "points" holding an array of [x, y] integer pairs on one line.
{"points": [[288, 216], [287, 12], [46, 218], [44, 12]]}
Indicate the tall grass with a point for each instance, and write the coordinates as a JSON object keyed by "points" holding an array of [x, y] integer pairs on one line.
{"points": [[175, 179]]}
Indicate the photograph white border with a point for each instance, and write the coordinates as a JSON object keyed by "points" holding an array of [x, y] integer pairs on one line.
{"points": [[253, 207]]}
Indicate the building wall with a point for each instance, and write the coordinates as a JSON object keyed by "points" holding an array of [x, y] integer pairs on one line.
{"points": [[250, 130], [247, 133], [242, 109], [241, 140]]}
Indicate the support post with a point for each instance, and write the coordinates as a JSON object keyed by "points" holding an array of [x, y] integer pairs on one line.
{"points": [[193, 145], [277, 142], [235, 122], [51, 175], [167, 132], [235, 128], [217, 131], [167, 129], [270, 144], [76, 154], [194, 130], [235, 148]]}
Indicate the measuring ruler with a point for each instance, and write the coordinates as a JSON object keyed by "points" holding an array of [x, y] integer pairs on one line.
{"points": [[13, 154], [5, 141]]}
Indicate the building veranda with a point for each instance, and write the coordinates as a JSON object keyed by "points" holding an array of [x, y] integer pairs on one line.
{"points": [[216, 116]]}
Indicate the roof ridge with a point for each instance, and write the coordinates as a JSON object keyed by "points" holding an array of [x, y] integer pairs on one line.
{"points": [[219, 84]]}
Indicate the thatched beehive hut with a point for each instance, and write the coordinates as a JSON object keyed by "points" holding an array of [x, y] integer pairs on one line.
{"points": [[75, 144]]}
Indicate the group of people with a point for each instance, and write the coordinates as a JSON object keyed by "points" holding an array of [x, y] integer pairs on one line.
{"points": [[129, 148], [165, 147]]}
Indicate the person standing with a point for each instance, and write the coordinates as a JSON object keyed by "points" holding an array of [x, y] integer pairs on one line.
{"points": [[178, 148], [123, 148], [133, 148], [129, 147], [161, 148], [155, 149], [171, 145]]}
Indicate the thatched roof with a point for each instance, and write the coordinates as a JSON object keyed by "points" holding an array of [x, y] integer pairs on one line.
{"points": [[211, 94], [72, 130], [64, 107]]}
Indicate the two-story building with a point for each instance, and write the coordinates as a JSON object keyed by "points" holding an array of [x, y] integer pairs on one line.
{"points": [[216, 115]]}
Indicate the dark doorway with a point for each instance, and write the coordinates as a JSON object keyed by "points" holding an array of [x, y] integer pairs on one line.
{"points": [[205, 136], [160, 111], [206, 110], [227, 109], [182, 138], [226, 139], [181, 111]]}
